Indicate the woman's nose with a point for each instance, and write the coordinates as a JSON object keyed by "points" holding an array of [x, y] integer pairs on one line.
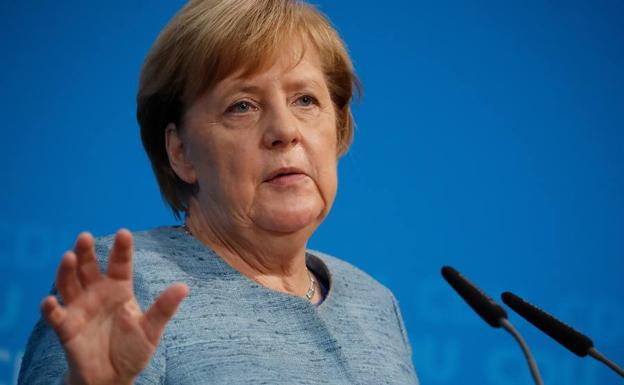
{"points": [[281, 129]]}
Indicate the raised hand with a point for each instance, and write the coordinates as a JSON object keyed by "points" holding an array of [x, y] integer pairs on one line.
{"points": [[106, 337]]}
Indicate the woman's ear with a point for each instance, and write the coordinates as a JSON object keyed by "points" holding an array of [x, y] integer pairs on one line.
{"points": [[178, 155]]}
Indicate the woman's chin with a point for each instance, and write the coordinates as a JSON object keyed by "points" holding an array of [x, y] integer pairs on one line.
{"points": [[287, 220]]}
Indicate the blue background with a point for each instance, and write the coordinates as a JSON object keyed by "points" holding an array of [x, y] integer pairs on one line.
{"points": [[490, 137]]}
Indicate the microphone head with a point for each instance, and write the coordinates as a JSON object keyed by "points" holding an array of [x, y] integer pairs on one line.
{"points": [[485, 306], [573, 340]]}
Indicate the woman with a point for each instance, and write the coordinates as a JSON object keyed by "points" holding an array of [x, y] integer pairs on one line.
{"points": [[244, 110]]}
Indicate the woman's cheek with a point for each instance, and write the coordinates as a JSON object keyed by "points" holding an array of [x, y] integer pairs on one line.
{"points": [[329, 183]]}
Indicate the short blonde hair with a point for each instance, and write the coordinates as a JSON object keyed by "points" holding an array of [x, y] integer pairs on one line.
{"points": [[206, 41]]}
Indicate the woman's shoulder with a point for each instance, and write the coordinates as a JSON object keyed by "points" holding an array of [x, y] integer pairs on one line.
{"points": [[161, 256], [156, 239], [157, 245]]}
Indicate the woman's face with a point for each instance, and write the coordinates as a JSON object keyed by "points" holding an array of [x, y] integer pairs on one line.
{"points": [[263, 148]]}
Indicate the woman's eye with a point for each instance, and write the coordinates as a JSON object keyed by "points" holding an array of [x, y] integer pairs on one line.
{"points": [[306, 100], [240, 107]]}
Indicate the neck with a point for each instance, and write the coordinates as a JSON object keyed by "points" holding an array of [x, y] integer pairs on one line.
{"points": [[274, 260]]}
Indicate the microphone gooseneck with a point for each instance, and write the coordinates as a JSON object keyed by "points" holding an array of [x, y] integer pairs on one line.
{"points": [[571, 339], [490, 311]]}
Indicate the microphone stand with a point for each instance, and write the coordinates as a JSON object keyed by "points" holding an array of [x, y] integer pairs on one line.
{"points": [[525, 349], [597, 355]]}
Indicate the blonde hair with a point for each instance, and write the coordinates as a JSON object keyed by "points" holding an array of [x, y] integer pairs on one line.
{"points": [[206, 41]]}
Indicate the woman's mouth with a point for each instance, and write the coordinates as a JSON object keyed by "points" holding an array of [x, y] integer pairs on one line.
{"points": [[286, 179], [286, 176]]}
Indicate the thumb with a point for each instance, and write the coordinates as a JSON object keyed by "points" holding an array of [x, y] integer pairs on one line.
{"points": [[161, 311]]}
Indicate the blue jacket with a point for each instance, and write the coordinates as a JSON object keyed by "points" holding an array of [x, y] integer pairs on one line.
{"points": [[231, 330]]}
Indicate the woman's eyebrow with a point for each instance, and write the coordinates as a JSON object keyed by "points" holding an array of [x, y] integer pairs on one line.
{"points": [[242, 87], [289, 85], [303, 83]]}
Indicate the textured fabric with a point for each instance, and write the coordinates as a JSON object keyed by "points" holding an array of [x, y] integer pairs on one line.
{"points": [[230, 330]]}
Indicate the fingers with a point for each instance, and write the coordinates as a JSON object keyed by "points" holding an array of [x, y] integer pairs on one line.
{"points": [[55, 315], [64, 325], [88, 268], [67, 281], [162, 310], [120, 260], [53, 312]]}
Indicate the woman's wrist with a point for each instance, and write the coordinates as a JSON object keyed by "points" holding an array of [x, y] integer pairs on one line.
{"points": [[69, 379]]}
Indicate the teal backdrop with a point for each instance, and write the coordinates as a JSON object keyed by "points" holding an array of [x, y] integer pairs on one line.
{"points": [[490, 137]]}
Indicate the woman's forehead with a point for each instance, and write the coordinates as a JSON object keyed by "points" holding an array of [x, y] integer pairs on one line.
{"points": [[295, 64], [286, 55]]}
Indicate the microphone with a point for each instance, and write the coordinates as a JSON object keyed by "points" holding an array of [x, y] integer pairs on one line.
{"points": [[485, 306], [490, 311], [571, 339]]}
